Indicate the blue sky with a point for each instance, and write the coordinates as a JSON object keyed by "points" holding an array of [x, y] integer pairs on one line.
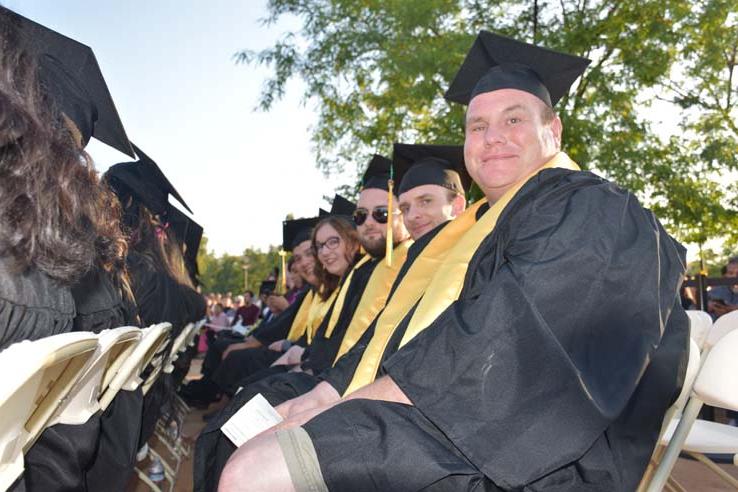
{"points": [[169, 66]]}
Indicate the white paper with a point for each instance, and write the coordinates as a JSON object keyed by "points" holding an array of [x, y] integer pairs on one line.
{"points": [[256, 416]]}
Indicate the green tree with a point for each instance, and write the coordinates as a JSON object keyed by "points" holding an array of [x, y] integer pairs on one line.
{"points": [[260, 265], [377, 70], [225, 273]]}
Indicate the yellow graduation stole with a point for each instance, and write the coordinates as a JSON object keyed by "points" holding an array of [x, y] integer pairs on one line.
{"points": [[373, 299], [316, 314], [297, 328], [445, 277], [341, 299]]}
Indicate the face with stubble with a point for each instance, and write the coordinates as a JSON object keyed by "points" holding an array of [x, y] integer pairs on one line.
{"points": [[373, 234]]}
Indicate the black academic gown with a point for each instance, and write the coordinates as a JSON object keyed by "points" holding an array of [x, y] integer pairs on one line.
{"points": [[70, 457], [242, 364], [552, 371], [213, 448], [160, 298], [33, 306]]}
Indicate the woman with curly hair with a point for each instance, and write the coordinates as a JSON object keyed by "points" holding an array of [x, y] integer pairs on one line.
{"points": [[56, 222], [58, 227]]}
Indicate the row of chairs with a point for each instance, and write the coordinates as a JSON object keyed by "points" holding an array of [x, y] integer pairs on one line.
{"points": [[66, 378], [168, 427], [710, 380]]}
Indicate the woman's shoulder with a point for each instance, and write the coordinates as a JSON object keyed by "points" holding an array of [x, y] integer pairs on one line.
{"points": [[33, 289]]}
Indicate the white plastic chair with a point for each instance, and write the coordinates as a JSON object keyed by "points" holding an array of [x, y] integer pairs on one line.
{"points": [[84, 397], [38, 376], [716, 385], [179, 345], [128, 375], [724, 324], [674, 412], [700, 324]]}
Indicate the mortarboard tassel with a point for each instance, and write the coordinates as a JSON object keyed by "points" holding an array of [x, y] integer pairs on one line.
{"points": [[283, 255], [390, 216]]}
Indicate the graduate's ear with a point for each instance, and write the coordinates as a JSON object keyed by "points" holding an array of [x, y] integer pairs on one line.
{"points": [[557, 128], [458, 205]]}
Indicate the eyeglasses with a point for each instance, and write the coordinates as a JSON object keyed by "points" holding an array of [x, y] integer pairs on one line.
{"points": [[379, 214], [330, 243]]}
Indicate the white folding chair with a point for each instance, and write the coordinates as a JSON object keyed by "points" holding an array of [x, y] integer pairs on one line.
{"points": [[716, 385], [674, 412], [179, 345], [700, 324], [38, 377], [84, 396], [723, 325], [128, 375]]}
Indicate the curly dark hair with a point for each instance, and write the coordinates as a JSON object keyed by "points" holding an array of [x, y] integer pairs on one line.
{"points": [[54, 214], [329, 282]]}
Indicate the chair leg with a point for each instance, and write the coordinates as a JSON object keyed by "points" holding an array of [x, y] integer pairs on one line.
{"points": [[689, 415], [715, 468], [674, 486], [145, 479]]}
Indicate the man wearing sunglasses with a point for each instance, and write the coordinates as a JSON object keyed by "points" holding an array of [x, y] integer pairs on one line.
{"points": [[432, 185], [506, 379], [372, 277]]}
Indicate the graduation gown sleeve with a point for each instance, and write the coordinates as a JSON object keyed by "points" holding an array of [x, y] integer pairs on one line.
{"points": [[561, 312], [279, 327]]}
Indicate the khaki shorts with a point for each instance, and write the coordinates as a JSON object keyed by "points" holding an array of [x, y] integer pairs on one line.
{"points": [[302, 460]]}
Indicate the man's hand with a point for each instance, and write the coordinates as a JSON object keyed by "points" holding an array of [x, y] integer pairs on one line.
{"points": [[250, 342], [276, 346], [291, 357], [322, 395], [277, 303]]}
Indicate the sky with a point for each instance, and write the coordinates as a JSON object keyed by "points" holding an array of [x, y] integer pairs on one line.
{"points": [[183, 100]]}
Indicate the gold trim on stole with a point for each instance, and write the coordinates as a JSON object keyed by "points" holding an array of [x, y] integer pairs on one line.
{"points": [[297, 328], [447, 283], [341, 299], [317, 312], [407, 293], [374, 297], [438, 278]]}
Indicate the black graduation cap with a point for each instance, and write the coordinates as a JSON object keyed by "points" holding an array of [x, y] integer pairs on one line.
{"points": [[342, 206], [267, 286], [297, 231], [145, 182], [157, 176], [497, 62], [133, 180], [421, 164], [377, 173], [71, 76]]}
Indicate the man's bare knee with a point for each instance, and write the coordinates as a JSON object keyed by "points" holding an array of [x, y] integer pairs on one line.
{"points": [[258, 465]]}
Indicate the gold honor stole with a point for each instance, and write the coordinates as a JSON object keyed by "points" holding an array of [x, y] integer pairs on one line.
{"points": [[341, 299], [442, 267], [316, 314], [372, 300], [300, 322]]}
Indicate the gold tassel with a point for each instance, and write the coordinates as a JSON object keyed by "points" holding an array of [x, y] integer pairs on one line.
{"points": [[390, 217], [283, 255]]}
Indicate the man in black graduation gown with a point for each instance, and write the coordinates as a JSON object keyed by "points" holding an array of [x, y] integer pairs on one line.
{"points": [[505, 379], [242, 358], [432, 183]]}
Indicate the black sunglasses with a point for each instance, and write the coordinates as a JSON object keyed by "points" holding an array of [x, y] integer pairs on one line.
{"points": [[379, 214]]}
